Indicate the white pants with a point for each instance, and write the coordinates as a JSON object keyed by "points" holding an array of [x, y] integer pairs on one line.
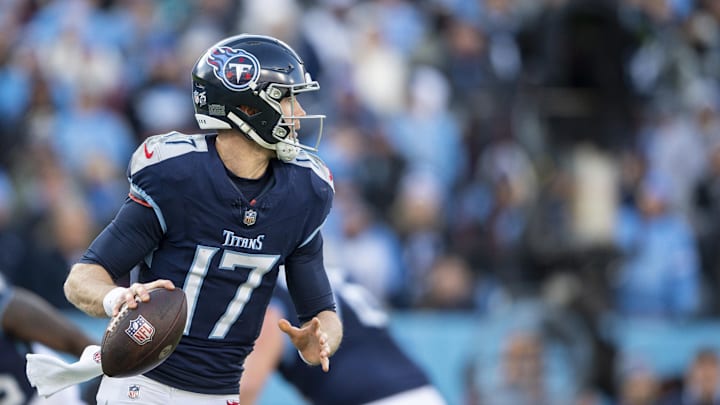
{"points": [[423, 395], [142, 390]]}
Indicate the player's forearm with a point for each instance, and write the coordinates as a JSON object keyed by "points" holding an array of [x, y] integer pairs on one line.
{"points": [[86, 286], [332, 326], [29, 317]]}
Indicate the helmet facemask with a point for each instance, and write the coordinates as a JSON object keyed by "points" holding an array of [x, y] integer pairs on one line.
{"points": [[286, 131]]}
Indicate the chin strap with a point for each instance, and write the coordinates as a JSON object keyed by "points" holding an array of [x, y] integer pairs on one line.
{"points": [[50, 374], [286, 152]]}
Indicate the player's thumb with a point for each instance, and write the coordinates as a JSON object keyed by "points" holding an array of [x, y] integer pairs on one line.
{"points": [[315, 324], [285, 326]]}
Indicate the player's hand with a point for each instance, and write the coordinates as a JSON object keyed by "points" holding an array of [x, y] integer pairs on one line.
{"points": [[310, 340], [138, 292]]}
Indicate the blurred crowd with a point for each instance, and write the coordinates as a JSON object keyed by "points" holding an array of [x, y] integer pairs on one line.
{"points": [[485, 152]]}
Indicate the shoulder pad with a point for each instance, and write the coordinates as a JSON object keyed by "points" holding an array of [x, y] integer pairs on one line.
{"points": [[157, 148], [314, 162]]}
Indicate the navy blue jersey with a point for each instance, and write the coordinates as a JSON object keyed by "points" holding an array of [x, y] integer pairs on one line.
{"points": [[14, 385], [368, 366], [224, 250]]}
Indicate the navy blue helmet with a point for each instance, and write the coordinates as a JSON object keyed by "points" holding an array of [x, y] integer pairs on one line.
{"points": [[239, 83]]}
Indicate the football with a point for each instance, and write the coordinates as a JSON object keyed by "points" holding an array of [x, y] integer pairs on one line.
{"points": [[138, 340]]}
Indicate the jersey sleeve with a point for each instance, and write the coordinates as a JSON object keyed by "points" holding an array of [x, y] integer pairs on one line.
{"points": [[307, 281], [323, 188], [130, 237]]}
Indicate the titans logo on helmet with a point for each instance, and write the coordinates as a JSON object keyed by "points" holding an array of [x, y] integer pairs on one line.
{"points": [[235, 68]]}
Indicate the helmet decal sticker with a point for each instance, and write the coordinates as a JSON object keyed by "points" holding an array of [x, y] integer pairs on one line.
{"points": [[199, 95], [235, 68], [216, 109]]}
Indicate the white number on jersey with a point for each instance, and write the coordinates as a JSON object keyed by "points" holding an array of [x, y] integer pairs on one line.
{"points": [[230, 260]]}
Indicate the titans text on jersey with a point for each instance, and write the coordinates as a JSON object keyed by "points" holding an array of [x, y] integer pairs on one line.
{"points": [[238, 241]]}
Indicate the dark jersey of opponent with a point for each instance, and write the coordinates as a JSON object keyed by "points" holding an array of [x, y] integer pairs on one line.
{"points": [[369, 365], [187, 221], [14, 385]]}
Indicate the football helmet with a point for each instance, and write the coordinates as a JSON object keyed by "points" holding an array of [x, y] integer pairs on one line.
{"points": [[239, 83]]}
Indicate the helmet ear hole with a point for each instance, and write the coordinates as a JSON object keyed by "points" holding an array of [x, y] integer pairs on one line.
{"points": [[250, 111]]}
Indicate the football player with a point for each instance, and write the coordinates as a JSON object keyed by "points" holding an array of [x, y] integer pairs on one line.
{"points": [[371, 368], [216, 214], [26, 319]]}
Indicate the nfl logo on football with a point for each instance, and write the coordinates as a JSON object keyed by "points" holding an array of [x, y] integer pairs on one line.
{"points": [[250, 217], [140, 330]]}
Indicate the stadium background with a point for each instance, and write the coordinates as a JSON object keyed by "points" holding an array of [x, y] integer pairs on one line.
{"points": [[516, 179]]}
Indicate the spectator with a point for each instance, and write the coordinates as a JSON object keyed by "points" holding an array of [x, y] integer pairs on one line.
{"points": [[451, 285], [659, 275], [59, 241], [522, 376], [702, 381], [427, 136], [706, 198], [638, 385], [419, 221], [367, 247]]}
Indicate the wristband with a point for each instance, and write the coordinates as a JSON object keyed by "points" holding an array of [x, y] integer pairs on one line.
{"points": [[111, 298]]}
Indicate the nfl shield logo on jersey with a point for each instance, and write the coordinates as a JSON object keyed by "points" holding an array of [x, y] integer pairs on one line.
{"points": [[250, 217], [133, 391]]}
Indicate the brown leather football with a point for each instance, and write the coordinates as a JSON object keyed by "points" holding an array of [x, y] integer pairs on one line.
{"points": [[138, 340]]}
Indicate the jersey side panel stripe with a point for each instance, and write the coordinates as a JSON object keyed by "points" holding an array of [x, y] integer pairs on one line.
{"points": [[142, 195]]}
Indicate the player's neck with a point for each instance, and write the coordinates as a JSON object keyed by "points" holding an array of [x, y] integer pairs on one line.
{"points": [[241, 156]]}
